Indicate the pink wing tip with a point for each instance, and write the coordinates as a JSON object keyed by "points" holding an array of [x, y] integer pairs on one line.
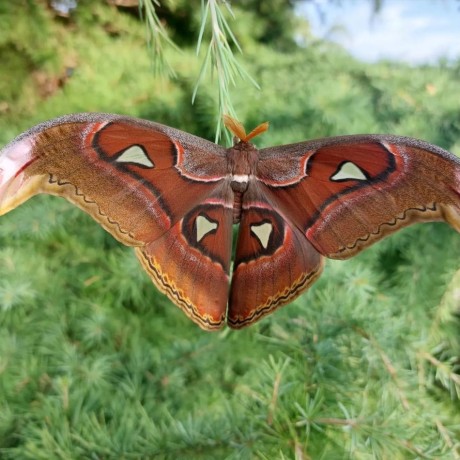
{"points": [[14, 159]]}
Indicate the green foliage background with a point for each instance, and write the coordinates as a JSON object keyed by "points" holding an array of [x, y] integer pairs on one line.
{"points": [[95, 363]]}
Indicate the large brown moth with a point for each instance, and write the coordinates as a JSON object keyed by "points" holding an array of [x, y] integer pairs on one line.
{"points": [[174, 197]]}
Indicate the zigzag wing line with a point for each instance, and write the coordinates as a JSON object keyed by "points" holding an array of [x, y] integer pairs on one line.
{"points": [[279, 299], [59, 182], [174, 294], [363, 239]]}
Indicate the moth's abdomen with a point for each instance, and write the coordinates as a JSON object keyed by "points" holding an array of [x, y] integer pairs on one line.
{"points": [[237, 207]]}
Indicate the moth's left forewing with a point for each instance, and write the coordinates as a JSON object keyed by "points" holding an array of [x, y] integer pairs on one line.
{"points": [[136, 178]]}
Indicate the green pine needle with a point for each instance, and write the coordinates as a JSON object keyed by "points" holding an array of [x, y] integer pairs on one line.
{"points": [[157, 37]]}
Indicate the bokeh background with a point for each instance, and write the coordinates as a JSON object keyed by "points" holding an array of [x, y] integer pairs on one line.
{"points": [[96, 364]]}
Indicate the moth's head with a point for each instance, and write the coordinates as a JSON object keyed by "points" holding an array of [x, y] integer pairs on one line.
{"points": [[238, 131]]}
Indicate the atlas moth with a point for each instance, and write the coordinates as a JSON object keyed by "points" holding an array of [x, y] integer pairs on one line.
{"points": [[175, 198]]}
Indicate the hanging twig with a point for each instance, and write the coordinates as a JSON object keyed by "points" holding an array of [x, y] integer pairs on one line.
{"points": [[220, 58]]}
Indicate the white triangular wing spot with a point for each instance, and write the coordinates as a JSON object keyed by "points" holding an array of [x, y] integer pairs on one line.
{"points": [[135, 154], [203, 227], [263, 232], [348, 171]]}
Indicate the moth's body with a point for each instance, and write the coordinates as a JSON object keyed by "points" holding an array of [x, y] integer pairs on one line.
{"points": [[242, 162], [174, 197]]}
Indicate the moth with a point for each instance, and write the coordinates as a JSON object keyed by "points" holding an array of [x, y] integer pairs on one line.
{"points": [[175, 198]]}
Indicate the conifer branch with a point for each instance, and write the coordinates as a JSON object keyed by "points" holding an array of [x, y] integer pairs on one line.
{"points": [[388, 365], [413, 449], [156, 37], [276, 388], [351, 422], [447, 439], [219, 57], [444, 373]]}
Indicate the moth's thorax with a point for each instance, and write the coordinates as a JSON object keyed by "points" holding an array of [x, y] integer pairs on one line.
{"points": [[242, 159]]}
